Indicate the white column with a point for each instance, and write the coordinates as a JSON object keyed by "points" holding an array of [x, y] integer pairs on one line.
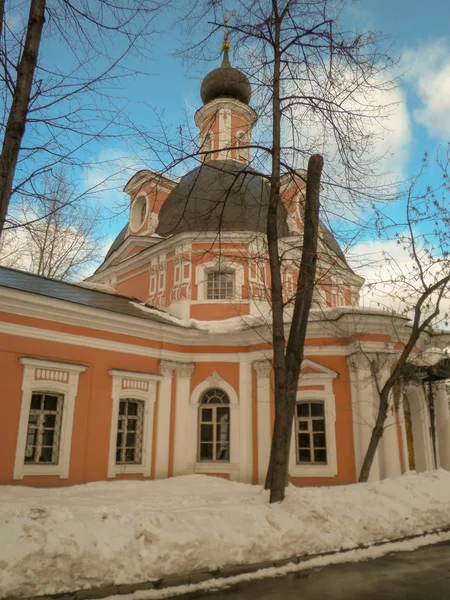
{"points": [[183, 391], [166, 368], [404, 441], [262, 368], [442, 420], [245, 402], [421, 428], [364, 407], [389, 444]]}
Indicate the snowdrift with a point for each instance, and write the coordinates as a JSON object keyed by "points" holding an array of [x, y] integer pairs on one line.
{"points": [[56, 540]]}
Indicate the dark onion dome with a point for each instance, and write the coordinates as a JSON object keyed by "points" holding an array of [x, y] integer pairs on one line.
{"points": [[219, 196], [226, 82]]}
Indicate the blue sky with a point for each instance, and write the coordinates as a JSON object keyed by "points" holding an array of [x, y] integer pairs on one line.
{"points": [[418, 33]]}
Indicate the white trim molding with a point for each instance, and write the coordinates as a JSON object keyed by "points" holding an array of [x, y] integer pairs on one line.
{"points": [[263, 385], [324, 377], [41, 375], [193, 464], [133, 385], [219, 263]]}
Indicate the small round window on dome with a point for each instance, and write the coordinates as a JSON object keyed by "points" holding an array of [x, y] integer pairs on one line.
{"points": [[138, 213]]}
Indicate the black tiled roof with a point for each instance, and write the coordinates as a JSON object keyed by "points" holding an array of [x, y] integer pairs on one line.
{"points": [[117, 242], [69, 292], [221, 196]]}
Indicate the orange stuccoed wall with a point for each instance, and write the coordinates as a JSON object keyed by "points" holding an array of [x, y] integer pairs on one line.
{"points": [[92, 418], [93, 407], [344, 426]]}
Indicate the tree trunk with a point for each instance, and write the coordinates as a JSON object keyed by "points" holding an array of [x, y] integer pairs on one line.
{"points": [[377, 433], [276, 288], [432, 412], [15, 126], [286, 395]]}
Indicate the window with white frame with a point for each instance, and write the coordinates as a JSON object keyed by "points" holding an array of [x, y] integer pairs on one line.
{"points": [[44, 440], [133, 398], [311, 446], [214, 426], [220, 285], [44, 429], [130, 428]]}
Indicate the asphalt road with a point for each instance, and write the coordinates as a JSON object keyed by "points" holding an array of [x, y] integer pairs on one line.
{"points": [[420, 575]]}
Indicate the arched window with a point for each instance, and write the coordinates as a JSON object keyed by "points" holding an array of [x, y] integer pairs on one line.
{"points": [[214, 426]]}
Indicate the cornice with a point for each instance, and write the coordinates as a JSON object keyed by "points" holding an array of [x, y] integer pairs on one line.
{"points": [[184, 239], [166, 245], [147, 176], [135, 375], [43, 363], [322, 325], [218, 103]]}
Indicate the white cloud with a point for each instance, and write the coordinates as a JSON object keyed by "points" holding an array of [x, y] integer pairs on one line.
{"points": [[429, 74], [376, 132], [108, 175], [392, 134], [393, 279]]}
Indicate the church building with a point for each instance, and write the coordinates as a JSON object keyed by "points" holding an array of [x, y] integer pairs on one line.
{"points": [[159, 364]]}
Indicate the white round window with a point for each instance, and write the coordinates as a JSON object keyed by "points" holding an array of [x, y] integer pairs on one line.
{"points": [[138, 213]]}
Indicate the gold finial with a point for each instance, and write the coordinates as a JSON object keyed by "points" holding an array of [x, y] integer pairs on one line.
{"points": [[226, 42]]}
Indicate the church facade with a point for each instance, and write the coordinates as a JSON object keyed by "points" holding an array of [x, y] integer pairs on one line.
{"points": [[160, 363]]}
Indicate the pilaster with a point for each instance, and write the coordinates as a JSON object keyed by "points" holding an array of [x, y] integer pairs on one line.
{"points": [[364, 407], [263, 368], [166, 368], [183, 389], [389, 444], [245, 433], [442, 420]]}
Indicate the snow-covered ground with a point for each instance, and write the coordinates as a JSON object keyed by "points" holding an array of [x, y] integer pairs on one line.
{"points": [[124, 532]]}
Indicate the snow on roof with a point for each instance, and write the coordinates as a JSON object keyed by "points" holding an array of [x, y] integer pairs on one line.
{"points": [[222, 326]]}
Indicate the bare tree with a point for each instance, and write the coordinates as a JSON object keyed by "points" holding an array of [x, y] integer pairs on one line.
{"points": [[58, 65], [421, 288], [313, 84], [56, 235]]}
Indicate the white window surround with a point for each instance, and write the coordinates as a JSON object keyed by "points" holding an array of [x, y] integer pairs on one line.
{"points": [[136, 220], [324, 377], [221, 264], [195, 465], [138, 386], [41, 375]]}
